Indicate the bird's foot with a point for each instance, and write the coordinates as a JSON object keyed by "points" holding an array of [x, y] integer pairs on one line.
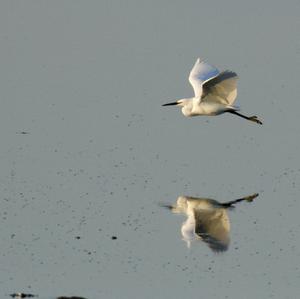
{"points": [[251, 197], [255, 119]]}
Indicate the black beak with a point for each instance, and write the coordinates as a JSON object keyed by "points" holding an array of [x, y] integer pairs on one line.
{"points": [[170, 104], [169, 207]]}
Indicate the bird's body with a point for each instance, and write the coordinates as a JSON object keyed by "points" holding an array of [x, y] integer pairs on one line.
{"points": [[207, 220], [194, 107], [215, 92]]}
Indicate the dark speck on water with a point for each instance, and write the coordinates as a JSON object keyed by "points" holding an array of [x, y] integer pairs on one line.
{"points": [[114, 238], [78, 237], [72, 297], [22, 132], [22, 295]]}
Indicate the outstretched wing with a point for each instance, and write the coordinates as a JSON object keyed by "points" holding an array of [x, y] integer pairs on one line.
{"points": [[201, 72], [221, 89], [213, 227]]}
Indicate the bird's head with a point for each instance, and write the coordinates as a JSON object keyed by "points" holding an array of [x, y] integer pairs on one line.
{"points": [[180, 206], [181, 102], [186, 104]]}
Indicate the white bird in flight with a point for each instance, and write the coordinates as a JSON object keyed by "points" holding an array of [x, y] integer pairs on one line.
{"points": [[215, 92], [207, 220]]}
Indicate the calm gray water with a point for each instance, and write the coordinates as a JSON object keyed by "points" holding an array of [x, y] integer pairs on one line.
{"points": [[86, 80]]}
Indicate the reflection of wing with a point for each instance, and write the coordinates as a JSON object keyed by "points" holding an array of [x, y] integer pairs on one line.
{"points": [[200, 73], [213, 227], [221, 89], [188, 229]]}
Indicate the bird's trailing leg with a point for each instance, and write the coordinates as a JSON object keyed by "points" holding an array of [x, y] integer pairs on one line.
{"points": [[251, 118], [230, 204]]}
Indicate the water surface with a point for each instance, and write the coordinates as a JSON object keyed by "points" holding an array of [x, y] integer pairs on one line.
{"points": [[86, 81]]}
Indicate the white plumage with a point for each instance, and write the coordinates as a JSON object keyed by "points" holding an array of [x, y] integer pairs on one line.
{"points": [[215, 92], [207, 220]]}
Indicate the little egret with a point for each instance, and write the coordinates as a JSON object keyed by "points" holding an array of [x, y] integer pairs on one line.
{"points": [[215, 93], [207, 220]]}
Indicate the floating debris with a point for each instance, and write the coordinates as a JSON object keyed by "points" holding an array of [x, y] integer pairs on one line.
{"points": [[22, 295], [22, 132], [114, 238]]}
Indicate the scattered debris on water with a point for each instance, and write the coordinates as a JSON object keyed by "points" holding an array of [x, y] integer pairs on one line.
{"points": [[22, 295]]}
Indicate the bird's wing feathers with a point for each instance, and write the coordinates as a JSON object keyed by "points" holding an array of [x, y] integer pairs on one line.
{"points": [[221, 89], [213, 227], [201, 73], [188, 228]]}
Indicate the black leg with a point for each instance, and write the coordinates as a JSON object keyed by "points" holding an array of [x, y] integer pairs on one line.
{"points": [[233, 202], [251, 118]]}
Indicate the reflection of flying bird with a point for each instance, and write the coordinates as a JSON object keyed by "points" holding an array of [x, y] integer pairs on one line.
{"points": [[215, 92], [207, 220]]}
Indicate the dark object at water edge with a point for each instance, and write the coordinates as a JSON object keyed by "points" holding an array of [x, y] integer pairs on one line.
{"points": [[22, 295]]}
